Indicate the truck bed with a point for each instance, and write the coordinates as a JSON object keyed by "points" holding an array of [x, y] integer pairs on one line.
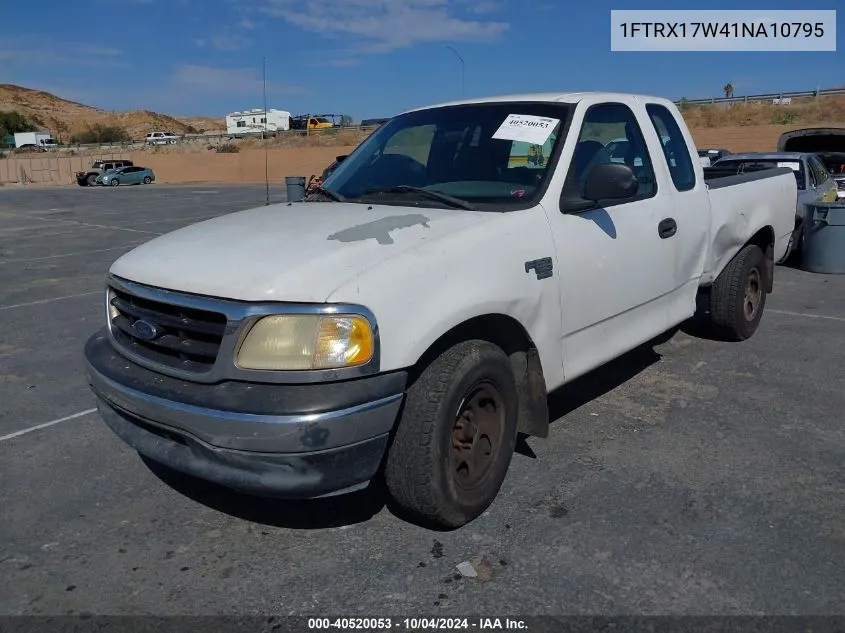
{"points": [[739, 202]]}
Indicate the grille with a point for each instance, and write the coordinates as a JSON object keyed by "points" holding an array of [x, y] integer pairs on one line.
{"points": [[182, 338]]}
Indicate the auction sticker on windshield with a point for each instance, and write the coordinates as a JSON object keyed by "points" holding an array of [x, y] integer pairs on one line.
{"points": [[791, 165], [526, 128]]}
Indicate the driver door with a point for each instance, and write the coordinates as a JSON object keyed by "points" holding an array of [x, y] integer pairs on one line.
{"points": [[616, 261]]}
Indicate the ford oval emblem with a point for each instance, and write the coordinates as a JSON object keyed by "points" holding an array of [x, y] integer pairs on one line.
{"points": [[145, 330]]}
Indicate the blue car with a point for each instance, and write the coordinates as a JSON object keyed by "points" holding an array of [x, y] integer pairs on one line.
{"points": [[132, 175]]}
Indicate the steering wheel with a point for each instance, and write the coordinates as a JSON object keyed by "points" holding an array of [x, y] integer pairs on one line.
{"points": [[396, 169]]}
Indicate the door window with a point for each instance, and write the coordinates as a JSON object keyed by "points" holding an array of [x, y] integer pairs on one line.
{"points": [[819, 169], [611, 124], [812, 175]]}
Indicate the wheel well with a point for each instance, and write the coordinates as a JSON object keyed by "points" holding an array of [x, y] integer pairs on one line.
{"points": [[508, 334], [765, 239], [499, 329]]}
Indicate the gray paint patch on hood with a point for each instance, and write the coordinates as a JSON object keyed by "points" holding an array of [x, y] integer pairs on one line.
{"points": [[379, 230]]}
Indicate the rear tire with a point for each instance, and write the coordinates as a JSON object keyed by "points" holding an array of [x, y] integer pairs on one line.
{"points": [[147, 180], [738, 295], [455, 437]]}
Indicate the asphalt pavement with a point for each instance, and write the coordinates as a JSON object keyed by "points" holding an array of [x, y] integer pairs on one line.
{"points": [[692, 477]]}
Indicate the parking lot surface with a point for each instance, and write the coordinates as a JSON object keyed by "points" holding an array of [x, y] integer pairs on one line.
{"points": [[692, 477]]}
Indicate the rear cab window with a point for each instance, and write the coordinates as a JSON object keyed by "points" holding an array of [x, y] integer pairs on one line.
{"points": [[675, 148]]}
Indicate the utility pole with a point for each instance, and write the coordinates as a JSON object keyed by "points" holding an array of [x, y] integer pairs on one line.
{"points": [[264, 134], [463, 68]]}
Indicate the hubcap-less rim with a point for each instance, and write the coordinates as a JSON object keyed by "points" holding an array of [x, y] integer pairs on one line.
{"points": [[753, 295], [477, 434]]}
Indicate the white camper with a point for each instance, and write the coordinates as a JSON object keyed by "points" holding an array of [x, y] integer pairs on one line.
{"points": [[257, 121], [37, 139]]}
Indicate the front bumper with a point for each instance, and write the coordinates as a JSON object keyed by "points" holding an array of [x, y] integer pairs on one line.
{"points": [[289, 441]]}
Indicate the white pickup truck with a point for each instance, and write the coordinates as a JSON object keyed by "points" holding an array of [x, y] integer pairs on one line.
{"points": [[406, 320]]}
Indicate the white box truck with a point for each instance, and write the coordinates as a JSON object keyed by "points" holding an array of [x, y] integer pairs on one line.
{"points": [[34, 139]]}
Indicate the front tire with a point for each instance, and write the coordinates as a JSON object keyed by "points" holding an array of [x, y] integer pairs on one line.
{"points": [[114, 182], [455, 437], [738, 295], [91, 180]]}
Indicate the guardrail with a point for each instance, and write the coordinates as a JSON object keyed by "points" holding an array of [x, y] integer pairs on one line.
{"points": [[764, 97], [211, 139]]}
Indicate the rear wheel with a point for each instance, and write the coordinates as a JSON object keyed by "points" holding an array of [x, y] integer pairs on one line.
{"points": [[456, 436], [147, 180], [738, 295]]}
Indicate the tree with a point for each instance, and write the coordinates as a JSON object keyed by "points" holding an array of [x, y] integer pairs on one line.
{"points": [[345, 121], [729, 90], [99, 133], [12, 122]]}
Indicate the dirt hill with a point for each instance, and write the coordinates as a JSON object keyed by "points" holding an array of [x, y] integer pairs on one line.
{"points": [[64, 118]]}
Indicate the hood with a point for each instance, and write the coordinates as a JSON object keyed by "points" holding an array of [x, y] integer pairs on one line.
{"points": [[286, 252]]}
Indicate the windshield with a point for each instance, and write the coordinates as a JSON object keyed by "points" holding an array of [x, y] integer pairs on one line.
{"points": [[748, 166], [492, 155]]}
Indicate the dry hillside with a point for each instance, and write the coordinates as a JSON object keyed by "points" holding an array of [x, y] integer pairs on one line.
{"points": [[807, 111], [64, 118]]}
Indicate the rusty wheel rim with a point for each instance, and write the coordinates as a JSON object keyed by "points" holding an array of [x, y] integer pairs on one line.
{"points": [[753, 295], [477, 434]]}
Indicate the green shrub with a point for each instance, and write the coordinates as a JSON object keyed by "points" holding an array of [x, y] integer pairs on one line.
{"points": [[99, 133]]}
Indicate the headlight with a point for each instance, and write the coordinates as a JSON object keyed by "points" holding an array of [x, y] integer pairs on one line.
{"points": [[307, 341]]}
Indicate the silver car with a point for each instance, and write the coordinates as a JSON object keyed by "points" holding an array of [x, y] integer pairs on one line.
{"points": [[815, 184]]}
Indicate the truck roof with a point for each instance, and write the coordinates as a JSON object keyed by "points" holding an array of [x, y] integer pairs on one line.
{"points": [[549, 97]]}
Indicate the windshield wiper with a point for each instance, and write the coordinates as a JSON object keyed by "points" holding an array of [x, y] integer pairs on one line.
{"points": [[330, 194], [428, 193]]}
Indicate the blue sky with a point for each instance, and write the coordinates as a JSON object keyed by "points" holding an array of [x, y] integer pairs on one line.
{"points": [[367, 58]]}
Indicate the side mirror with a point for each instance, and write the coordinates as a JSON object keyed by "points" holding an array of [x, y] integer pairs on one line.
{"points": [[605, 181], [611, 181], [340, 159]]}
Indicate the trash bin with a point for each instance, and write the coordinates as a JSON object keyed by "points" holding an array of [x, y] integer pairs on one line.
{"points": [[295, 187], [824, 240]]}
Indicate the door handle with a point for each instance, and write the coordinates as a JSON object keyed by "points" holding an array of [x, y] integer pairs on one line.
{"points": [[667, 228]]}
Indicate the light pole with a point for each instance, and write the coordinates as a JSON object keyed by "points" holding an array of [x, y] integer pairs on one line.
{"points": [[460, 59]]}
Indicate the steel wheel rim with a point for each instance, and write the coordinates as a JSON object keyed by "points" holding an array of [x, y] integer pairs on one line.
{"points": [[477, 433], [753, 295]]}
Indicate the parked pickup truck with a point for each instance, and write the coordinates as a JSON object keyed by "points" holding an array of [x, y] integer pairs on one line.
{"points": [[405, 321]]}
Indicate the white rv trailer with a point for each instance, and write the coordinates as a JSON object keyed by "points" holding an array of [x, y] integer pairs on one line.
{"points": [[257, 121]]}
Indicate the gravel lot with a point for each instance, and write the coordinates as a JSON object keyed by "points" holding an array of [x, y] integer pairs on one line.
{"points": [[695, 477]]}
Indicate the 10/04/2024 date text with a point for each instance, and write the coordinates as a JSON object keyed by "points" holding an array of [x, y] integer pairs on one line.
{"points": [[724, 29], [417, 624]]}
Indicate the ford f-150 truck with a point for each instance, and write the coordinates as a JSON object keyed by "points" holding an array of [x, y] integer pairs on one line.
{"points": [[406, 320]]}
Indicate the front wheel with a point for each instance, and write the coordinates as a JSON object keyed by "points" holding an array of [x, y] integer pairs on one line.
{"points": [[738, 295], [91, 180], [455, 437], [147, 180], [114, 182]]}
